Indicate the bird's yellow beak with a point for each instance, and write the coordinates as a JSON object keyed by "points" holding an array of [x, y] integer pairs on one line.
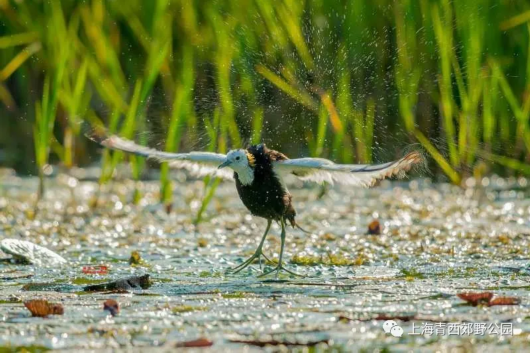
{"points": [[224, 164]]}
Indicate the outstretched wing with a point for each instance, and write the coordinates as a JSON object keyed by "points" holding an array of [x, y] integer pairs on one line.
{"points": [[197, 163], [321, 170]]}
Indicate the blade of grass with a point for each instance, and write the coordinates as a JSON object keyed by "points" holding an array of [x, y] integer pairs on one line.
{"points": [[508, 162], [257, 125], [520, 114], [442, 162], [211, 183], [444, 38], [344, 104], [19, 60], [515, 21], [321, 132], [294, 30], [179, 114], [369, 129], [18, 39], [210, 192], [301, 97]]}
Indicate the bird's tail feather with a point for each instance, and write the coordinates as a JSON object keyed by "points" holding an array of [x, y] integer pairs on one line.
{"points": [[295, 225], [302, 229]]}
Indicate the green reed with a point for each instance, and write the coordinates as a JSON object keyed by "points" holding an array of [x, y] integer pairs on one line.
{"points": [[179, 114], [439, 70], [42, 131]]}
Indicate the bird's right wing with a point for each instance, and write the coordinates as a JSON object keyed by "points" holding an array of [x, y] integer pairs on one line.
{"points": [[199, 164], [321, 170]]}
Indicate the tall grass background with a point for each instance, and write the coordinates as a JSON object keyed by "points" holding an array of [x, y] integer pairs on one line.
{"points": [[355, 81]]}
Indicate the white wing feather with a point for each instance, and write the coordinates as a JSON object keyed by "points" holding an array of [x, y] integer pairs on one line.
{"points": [[321, 170], [199, 164], [317, 170]]}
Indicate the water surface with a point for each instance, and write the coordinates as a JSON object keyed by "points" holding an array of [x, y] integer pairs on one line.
{"points": [[437, 240]]}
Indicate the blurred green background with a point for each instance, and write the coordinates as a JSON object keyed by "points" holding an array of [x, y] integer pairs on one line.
{"points": [[356, 81]]}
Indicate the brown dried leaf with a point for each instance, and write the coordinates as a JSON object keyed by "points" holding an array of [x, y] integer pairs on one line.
{"points": [[329, 237], [117, 291], [374, 228], [504, 301], [202, 242], [57, 309], [476, 298], [274, 342], [384, 317], [111, 306], [41, 308], [200, 342]]}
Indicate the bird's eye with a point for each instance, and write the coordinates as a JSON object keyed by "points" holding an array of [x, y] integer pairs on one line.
{"points": [[238, 158]]}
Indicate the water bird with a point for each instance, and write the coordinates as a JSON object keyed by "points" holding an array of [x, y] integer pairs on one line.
{"points": [[259, 176]]}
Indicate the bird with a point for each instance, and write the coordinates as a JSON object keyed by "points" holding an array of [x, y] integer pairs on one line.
{"points": [[259, 174]]}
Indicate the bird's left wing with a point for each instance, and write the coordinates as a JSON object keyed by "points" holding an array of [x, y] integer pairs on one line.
{"points": [[197, 163], [321, 170]]}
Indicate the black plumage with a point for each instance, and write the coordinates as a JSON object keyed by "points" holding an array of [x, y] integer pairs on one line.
{"points": [[266, 196]]}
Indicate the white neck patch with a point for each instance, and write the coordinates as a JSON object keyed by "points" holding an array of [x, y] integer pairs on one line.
{"points": [[238, 161], [245, 174]]}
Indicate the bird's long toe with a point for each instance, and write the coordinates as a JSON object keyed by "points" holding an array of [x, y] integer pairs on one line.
{"points": [[279, 268], [248, 262]]}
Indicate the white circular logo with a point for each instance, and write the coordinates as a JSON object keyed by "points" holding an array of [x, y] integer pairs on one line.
{"points": [[387, 326], [396, 331], [390, 326]]}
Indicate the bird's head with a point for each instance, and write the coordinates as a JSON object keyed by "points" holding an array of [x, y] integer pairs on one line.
{"points": [[238, 160]]}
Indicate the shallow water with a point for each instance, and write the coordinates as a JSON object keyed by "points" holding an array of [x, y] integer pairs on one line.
{"points": [[438, 240]]}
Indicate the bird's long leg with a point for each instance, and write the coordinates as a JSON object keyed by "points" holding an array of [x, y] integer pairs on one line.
{"points": [[280, 267], [257, 254]]}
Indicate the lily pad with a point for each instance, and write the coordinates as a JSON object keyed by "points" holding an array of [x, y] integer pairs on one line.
{"points": [[28, 252]]}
